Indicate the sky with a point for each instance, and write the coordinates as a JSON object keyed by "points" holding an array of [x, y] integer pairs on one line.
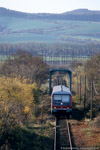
{"points": [[49, 6]]}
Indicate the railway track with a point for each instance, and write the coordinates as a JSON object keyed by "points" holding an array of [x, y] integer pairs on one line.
{"points": [[62, 138]]}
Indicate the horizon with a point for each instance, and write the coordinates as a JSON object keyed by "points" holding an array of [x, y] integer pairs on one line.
{"points": [[50, 6], [50, 13]]}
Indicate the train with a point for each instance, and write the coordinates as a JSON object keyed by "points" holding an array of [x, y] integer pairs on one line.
{"points": [[61, 99], [61, 96]]}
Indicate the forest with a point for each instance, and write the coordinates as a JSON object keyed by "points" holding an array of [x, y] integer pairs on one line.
{"points": [[25, 120]]}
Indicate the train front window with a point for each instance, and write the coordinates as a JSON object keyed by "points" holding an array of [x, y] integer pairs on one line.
{"points": [[65, 98], [62, 98], [57, 97]]}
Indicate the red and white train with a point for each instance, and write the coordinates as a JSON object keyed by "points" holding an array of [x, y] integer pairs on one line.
{"points": [[61, 99]]}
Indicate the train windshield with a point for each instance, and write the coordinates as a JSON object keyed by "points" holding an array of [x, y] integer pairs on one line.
{"points": [[62, 98]]}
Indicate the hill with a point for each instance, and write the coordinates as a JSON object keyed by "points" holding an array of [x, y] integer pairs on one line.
{"points": [[82, 12], [44, 27], [79, 14]]}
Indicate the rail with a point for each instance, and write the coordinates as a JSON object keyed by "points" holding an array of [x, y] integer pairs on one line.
{"points": [[69, 135], [62, 137], [55, 137]]}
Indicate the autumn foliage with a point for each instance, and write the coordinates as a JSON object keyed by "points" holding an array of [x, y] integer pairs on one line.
{"points": [[23, 64], [16, 105], [16, 101]]}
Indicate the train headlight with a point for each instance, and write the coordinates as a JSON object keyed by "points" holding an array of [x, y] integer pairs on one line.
{"points": [[61, 103]]}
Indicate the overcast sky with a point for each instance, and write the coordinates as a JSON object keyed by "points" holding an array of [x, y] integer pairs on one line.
{"points": [[49, 6]]}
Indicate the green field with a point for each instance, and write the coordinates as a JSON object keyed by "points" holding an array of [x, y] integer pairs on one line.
{"points": [[48, 59], [64, 59], [14, 29]]}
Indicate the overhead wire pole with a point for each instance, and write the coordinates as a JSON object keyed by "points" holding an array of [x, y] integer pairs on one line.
{"points": [[52, 72], [77, 85], [91, 104], [85, 93], [80, 89]]}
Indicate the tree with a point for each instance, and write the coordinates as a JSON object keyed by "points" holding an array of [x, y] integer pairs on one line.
{"points": [[23, 64], [93, 67], [17, 104]]}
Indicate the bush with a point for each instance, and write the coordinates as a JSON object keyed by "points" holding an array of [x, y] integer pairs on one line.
{"points": [[16, 104]]}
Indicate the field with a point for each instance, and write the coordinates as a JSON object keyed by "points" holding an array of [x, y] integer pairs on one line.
{"points": [[51, 60], [64, 58], [14, 29]]}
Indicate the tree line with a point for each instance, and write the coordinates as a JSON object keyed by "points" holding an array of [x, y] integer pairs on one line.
{"points": [[55, 53], [89, 16]]}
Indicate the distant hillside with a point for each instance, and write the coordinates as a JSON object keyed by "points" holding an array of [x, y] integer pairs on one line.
{"points": [[82, 12], [8, 12], [44, 27], [76, 15]]}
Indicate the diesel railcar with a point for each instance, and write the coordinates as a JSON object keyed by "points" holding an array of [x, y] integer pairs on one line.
{"points": [[61, 99]]}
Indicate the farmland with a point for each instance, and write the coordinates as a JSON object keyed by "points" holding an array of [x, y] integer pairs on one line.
{"points": [[56, 38], [14, 29]]}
